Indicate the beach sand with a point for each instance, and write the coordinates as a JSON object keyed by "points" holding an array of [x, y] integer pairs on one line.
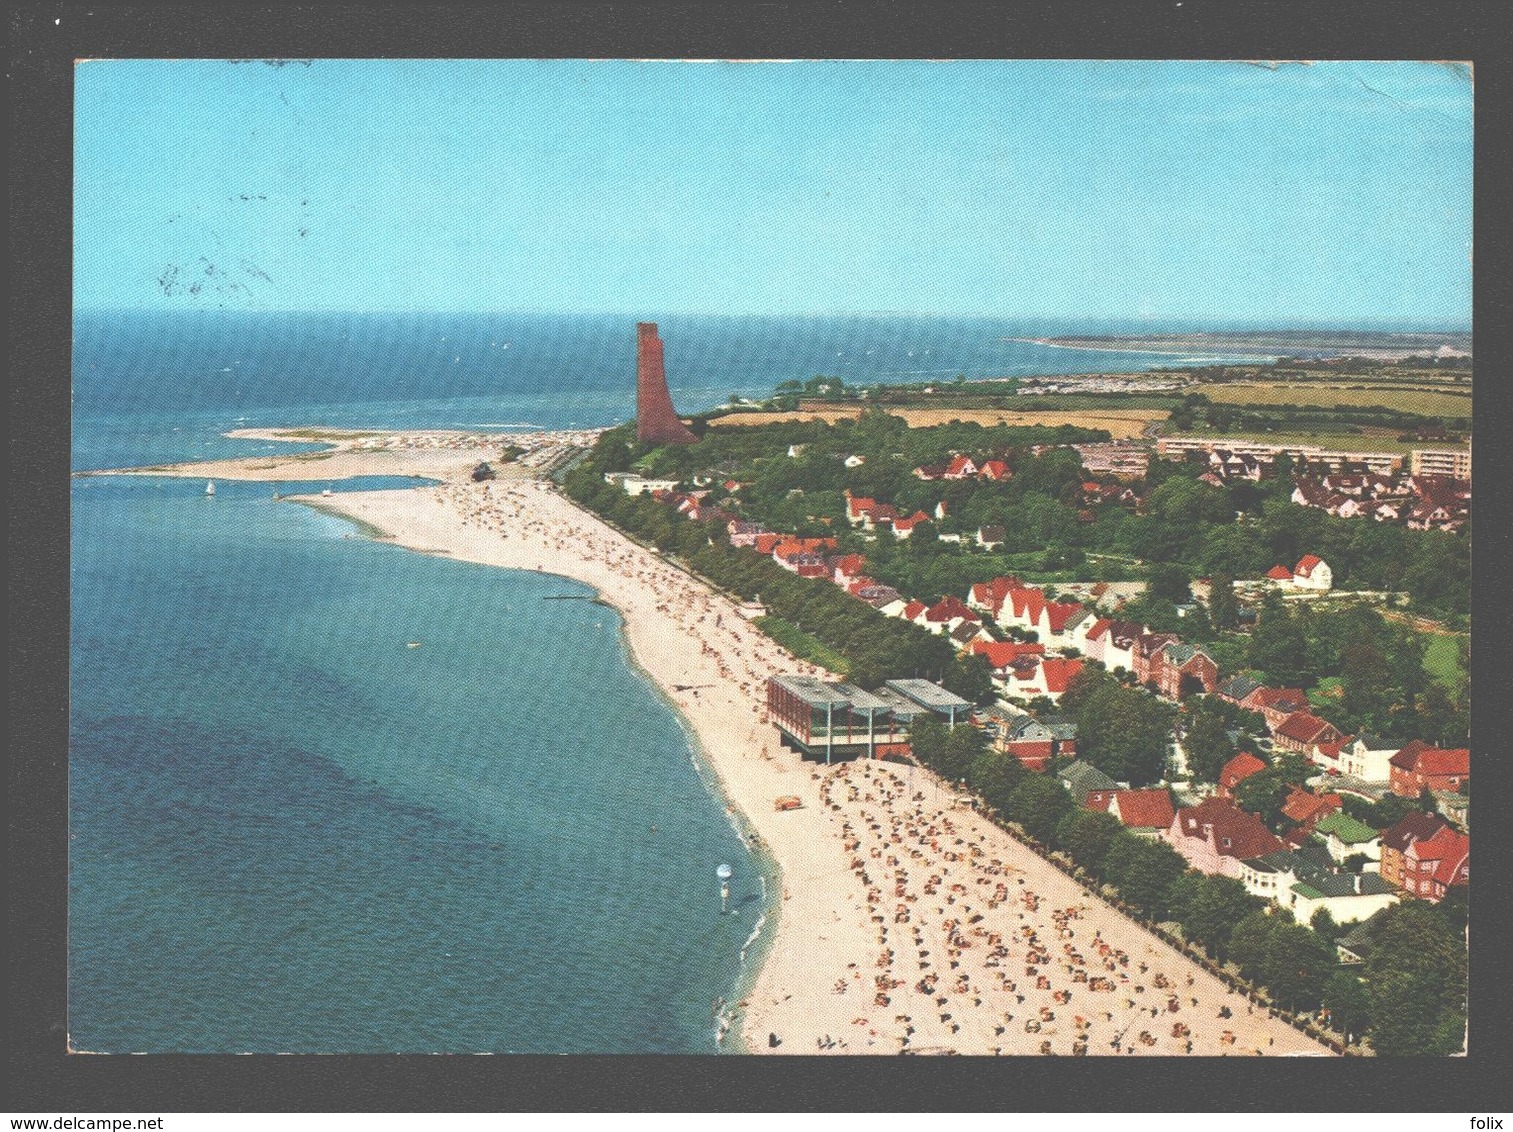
{"points": [[436, 454], [904, 923]]}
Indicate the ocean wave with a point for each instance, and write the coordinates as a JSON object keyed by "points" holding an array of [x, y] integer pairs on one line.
{"points": [[756, 931]]}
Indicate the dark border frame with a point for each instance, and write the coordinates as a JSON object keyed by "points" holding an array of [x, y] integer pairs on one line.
{"points": [[45, 39]]}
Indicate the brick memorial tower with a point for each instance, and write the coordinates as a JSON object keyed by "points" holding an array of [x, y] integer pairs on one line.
{"points": [[656, 419]]}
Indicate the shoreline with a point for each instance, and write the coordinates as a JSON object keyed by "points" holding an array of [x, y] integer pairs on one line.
{"points": [[831, 971], [728, 1017], [717, 713]]}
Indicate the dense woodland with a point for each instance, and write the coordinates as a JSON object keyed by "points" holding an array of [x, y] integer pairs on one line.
{"points": [[1196, 410]]}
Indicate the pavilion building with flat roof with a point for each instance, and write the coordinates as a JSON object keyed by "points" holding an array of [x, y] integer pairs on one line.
{"points": [[834, 720], [932, 696]]}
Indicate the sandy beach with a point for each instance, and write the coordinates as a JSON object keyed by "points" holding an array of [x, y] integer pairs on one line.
{"points": [[904, 922], [439, 454]]}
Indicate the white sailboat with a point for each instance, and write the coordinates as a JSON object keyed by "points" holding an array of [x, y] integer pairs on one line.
{"points": [[210, 487]]}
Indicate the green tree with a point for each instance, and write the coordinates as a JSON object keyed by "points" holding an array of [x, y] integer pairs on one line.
{"points": [[1122, 731], [927, 739], [964, 745], [1417, 977], [1349, 1004], [1222, 608], [1324, 924], [1170, 582], [1455, 908], [1250, 943], [994, 775], [1235, 552], [1443, 719], [1207, 743], [971, 678], [612, 452], [1183, 892], [1086, 835], [1209, 910], [1038, 804], [1280, 649], [1282, 471], [692, 538], [1265, 791], [1296, 966], [1366, 679], [1143, 871], [1380, 815]]}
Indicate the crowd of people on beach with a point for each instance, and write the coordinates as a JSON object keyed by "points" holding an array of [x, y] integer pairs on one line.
{"points": [[980, 951]]}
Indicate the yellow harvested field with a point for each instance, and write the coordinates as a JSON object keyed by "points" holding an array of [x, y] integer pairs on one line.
{"points": [[1425, 401], [1120, 423]]}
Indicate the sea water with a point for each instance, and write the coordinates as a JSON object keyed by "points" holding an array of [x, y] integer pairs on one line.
{"points": [[330, 795]]}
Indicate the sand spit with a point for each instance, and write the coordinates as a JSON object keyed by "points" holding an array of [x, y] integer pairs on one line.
{"points": [[439, 454]]}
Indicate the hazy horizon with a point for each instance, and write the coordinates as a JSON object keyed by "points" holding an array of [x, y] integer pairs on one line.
{"points": [[1184, 324]]}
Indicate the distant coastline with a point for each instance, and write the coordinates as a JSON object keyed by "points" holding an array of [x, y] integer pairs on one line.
{"points": [[1383, 345], [1164, 344]]}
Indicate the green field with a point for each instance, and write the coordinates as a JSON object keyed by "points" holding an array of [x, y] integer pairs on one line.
{"points": [[801, 644], [1422, 402]]}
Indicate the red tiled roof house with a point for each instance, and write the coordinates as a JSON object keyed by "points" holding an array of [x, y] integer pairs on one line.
{"points": [[1215, 836], [1433, 865], [1236, 771], [1275, 704], [1147, 812], [1419, 767], [1396, 841], [1301, 730]]}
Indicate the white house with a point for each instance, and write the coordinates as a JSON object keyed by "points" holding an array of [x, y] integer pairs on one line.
{"points": [[1312, 573], [961, 468], [638, 485], [991, 536], [1113, 642], [1305, 880], [1347, 897], [1365, 757], [1074, 633], [904, 528], [1345, 837]]}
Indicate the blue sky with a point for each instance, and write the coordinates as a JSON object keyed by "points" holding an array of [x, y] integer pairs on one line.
{"points": [[1323, 194]]}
